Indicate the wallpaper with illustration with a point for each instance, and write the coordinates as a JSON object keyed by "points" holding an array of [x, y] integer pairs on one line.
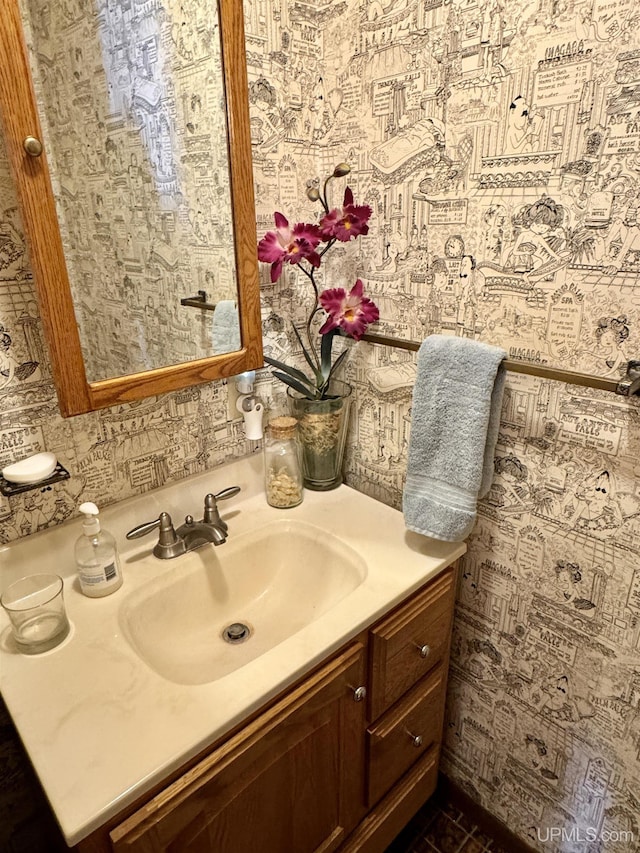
{"points": [[499, 148]]}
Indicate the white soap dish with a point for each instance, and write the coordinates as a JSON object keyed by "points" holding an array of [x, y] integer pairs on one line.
{"points": [[33, 469]]}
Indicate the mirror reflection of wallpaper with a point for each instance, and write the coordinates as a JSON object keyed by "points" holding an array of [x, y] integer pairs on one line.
{"points": [[23, 355], [136, 137]]}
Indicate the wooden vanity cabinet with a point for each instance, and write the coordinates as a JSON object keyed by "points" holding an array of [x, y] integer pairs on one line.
{"points": [[410, 641], [321, 769], [400, 737], [290, 781]]}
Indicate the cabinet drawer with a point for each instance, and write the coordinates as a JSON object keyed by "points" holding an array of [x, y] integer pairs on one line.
{"points": [[399, 658], [404, 734]]}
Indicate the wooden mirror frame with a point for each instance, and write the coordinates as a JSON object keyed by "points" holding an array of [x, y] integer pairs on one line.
{"points": [[19, 114]]}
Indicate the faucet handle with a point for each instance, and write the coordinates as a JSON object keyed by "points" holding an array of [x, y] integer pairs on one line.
{"points": [[227, 493], [148, 526], [168, 545], [211, 514], [211, 503]]}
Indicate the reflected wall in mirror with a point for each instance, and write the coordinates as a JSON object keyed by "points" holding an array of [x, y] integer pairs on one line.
{"points": [[133, 111], [140, 211]]}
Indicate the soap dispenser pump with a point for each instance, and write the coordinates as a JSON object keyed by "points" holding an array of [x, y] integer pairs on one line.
{"points": [[96, 556]]}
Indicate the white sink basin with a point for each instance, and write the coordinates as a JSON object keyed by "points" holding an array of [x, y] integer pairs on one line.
{"points": [[276, 580]]}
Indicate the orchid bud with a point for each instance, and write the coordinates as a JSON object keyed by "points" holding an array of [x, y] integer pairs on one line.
{"points": [[313, 194], [341, 170]]}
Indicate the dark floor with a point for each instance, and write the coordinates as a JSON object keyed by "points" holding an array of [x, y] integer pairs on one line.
{"points": [[26, 825], [440, 827]]}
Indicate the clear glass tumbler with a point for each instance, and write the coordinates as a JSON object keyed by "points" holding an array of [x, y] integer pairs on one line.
{"points": [[35, 606]]}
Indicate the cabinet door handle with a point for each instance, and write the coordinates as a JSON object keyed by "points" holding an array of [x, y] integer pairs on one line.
{"points": [[359, 693], [416, 740], [424, 650]]}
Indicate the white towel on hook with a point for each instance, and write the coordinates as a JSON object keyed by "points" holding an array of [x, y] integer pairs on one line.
{"points": [[455, 418]]}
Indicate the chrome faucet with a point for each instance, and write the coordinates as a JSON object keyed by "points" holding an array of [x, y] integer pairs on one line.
{"points": [[190, 535]]}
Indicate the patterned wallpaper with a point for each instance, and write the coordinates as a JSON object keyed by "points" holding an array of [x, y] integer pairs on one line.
{"points": [[499, 147]]}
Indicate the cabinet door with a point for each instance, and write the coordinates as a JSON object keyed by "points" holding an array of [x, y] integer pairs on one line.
{"points": [[292, 780]]}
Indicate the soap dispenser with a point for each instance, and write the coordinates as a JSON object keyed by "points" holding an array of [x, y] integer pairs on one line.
{"points": [[97, 557]]}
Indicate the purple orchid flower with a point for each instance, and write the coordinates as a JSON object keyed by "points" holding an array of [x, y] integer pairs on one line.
{"points": [[290, 245], [351, 312], [345, 224]]}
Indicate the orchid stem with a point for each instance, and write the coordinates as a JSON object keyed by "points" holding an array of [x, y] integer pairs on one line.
{"points": [[323, 197], [327, 247], [309, 274], [314, 310]]}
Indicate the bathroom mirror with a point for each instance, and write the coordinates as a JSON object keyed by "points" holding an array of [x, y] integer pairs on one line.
{"points": [[128, 132]]}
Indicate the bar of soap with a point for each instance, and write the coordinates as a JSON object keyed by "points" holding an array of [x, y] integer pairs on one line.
{"points": [[33, 469]]}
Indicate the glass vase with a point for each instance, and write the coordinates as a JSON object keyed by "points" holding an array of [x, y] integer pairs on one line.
{"points": [[322, 433]]}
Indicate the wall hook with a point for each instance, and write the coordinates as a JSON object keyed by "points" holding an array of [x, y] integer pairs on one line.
{"points": [[198, 301]]}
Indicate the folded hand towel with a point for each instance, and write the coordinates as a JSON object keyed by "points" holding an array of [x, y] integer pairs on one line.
{"points": [[455, 417], [225, 332]]}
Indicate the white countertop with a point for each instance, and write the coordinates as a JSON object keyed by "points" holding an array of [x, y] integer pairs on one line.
{"points": [[99, 725]]}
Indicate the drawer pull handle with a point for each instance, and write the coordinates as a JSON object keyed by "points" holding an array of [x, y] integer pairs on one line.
{"points": [[416, 740], [424, 650], [359, 693]]}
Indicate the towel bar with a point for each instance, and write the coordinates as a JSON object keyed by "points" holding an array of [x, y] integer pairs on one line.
{"points": [[627, 386]]}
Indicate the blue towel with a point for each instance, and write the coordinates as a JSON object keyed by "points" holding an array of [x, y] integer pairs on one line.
{"points": [[455, 418], [225, 331]]}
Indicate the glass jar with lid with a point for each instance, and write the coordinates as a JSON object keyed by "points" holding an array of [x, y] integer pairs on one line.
{"points": [[283, 475]]}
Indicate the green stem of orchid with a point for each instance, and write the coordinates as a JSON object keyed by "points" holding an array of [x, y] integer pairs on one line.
{"points": [[309, 275], [323, 198]]}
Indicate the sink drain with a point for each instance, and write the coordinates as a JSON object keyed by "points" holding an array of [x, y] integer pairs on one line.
{"points": [[237, 632]]}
